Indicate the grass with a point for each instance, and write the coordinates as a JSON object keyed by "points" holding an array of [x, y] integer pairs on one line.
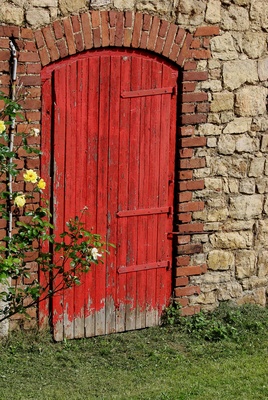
{"points": [[184, 361]]}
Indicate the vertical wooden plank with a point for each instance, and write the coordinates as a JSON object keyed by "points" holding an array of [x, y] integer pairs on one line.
{"points": [[59, 132], [102, 187], [143, 185], [154, 133], [91, 185], [80, 182], [133, 195], [70, 182], [43, 308], [112, 191], [123, 192]]}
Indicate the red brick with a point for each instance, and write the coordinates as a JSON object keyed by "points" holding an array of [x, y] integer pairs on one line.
{"points": [[170, 39], [190, 65], [30, 46], [62, 47], [127, 37], [33, 68], [188, 86], [57, 27], [4, 43], [159, 45], [137, 30], [163, 28], [184, 218], [10, 31], [86, 27], [174, 52], [5, 80], [196, 44], [112, 36], [187, 108], [185, 52], [44, 56], [4, 55], [187, 291], [204, 268], [4, 66], [182, 261], [128, 19], [105, 29], [193, 163], [31, 80], [75, 23], [97, 37], [184, 249], [192, 206], [185, 174], [207, 31], [186, 153], [185, 196], [50, 41], [26, 33], [195, 75], [201, 54], [183, 239], [31, 104], [191, 185], [119, 30], [147, 20], [3, 223], [28, 57], [193, 141], [194, 97], [69, 35], [180, 36], [20, 44], [95, 19], [191, 310], [153, 33], [39, 39], [182, 301], [112, 18], [193, 119], [33, 163], [186, 130], [144, 39], [79, 41], [33, 116], [21, 68], [182, 281], [188, 271]]}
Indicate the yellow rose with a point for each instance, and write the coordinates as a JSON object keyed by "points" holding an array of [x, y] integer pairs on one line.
{"points": [[41, 184], [20, 201], [2, 126], [30, 176]]}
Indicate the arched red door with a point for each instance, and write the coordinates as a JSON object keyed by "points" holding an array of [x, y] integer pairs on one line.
{"points": [[109, 139]]}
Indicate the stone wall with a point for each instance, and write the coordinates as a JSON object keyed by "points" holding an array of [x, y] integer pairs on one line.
{"points": [[229, 189]]}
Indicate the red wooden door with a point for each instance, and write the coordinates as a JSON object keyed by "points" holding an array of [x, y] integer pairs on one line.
{"points": [[111, 117]]}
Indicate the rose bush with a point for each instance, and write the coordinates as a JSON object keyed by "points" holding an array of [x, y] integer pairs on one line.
{"points": [[61, 260]]}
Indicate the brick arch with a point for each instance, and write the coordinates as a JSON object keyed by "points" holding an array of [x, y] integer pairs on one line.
{"points": [[110, 28], [100, 29]]}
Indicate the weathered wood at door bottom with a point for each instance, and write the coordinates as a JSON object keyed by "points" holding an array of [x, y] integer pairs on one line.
{"points": [[107, 320]]}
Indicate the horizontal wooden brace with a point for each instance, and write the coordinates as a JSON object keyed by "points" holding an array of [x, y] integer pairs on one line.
{"points": [[145, 211], [148, 92], [144, 267]]}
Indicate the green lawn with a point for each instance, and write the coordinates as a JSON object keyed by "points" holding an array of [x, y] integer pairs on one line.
{"points": [[155, 363]]}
